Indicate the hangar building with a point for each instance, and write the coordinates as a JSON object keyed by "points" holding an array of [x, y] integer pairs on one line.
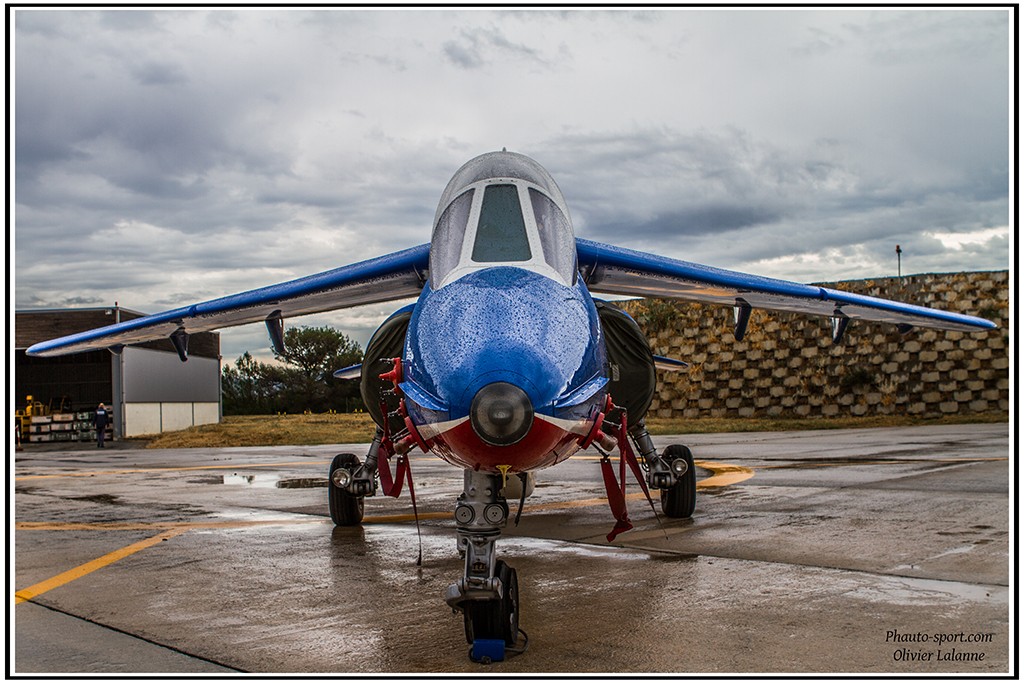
{"points": [[147, 386]]}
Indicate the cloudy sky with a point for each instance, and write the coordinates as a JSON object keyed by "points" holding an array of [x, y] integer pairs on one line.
{"points": [[172, 156]]}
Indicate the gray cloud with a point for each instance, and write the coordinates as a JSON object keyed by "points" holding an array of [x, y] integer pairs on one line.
{"points": [[483, 46], [155, 73], [465, 55], [169, 156], [895, 38]]}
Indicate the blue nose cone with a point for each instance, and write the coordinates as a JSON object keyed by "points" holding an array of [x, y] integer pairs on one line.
{"points": [[502, 325]]}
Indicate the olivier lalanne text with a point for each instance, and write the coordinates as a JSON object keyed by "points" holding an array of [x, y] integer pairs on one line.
{"points": [[904, 654]]}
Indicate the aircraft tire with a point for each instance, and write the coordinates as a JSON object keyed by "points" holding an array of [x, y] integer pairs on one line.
{"points": [[680, 500], [346, 509], [495, 619]]}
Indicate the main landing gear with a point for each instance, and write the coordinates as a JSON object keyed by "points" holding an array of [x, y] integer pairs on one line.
{"points": [[349, 482], [346, 509], [672, 472], [488, 592]]}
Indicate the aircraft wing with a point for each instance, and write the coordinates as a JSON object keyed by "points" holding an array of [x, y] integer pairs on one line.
{"points": [[386, 278], [614, 270]]}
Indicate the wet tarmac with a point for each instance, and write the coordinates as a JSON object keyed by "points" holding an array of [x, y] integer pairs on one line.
{"points": [[853, 551]]}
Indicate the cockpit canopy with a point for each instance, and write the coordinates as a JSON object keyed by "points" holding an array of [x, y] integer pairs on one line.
{"points": [[502, 208]]}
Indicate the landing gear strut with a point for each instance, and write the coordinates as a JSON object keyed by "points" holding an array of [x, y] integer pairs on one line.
{"points": [[672, 472], [349, 482], [488, 592], [680, 499]]}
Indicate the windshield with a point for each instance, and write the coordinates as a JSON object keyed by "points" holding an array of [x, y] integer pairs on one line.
{"points": [[556, 236], [446, 244], [501, 231], [503, 221]]}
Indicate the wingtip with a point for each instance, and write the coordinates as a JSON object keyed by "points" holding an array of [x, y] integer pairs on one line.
{"points": [[349, 372], [36, 350]]}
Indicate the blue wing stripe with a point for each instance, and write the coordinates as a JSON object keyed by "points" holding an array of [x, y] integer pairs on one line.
{"points": [[616, 270], [386, 278], [596, 254], [849, 298], [381, 267]]}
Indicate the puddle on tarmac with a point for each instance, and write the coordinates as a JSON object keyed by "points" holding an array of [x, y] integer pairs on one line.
{"points": [[904, 590], [274, 481], [102, 499], [719, 491]]}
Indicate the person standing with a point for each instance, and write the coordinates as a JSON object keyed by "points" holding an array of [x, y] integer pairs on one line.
{"points": [[101, 420]]}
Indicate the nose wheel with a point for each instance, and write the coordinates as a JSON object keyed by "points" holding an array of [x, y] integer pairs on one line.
{"points": [[495, 619]]}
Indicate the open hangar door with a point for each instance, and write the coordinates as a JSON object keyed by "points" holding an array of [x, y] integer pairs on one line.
{"points": [[146, 387]]}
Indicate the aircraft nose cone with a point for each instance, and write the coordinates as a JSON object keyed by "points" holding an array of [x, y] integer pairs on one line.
{"points": [[501, 414]]}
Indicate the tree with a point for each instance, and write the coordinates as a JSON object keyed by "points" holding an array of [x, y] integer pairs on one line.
{"points": [[249, 388], [318, 351], [305, 380]]}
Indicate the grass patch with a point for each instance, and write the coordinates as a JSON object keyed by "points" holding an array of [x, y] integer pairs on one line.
{"points": [[312, 430], [713, 425], [270, 430]]}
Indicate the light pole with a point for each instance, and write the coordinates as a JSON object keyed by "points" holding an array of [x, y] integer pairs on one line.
{"points": [[899, 266]]}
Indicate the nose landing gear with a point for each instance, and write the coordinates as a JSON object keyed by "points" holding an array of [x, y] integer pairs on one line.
{"points": [[488, 592]]}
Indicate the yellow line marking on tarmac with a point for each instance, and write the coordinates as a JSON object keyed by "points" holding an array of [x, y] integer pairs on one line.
{"points": [[170, 530], [78, 572], [391, 519], [138, 526], [722, 474], [732, 470], [157, 470], [848, 463]]}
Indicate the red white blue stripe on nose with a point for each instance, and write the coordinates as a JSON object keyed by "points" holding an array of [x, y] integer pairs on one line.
{"points": [[548, 441]]}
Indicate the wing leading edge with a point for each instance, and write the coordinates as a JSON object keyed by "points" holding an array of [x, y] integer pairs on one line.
{"points": [[387, 278], [614, 270]]}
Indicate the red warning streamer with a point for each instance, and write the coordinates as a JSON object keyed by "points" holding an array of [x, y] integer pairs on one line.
{"points": [[617, 489]]}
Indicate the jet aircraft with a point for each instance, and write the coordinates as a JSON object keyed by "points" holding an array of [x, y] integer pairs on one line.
{"points": [[506, 363]]}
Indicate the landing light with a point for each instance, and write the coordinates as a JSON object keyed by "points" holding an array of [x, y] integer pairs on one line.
{"points": [[341, 478]]}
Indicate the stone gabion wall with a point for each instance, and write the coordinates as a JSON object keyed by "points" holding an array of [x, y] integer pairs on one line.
{"points": [[787, 366]]}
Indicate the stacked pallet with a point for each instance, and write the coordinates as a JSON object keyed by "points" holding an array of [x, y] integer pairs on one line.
{"points": [[39, 428], [86, 426], [64, 427]]}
